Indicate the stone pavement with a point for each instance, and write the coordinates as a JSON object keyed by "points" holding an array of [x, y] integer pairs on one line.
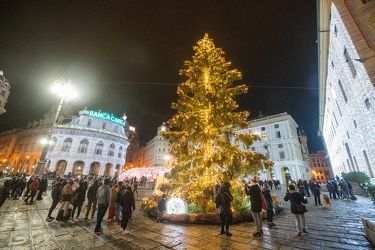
{"points": [[24, 227]]}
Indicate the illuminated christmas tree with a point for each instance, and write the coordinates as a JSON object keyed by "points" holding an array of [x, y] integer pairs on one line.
{"points": [[203, 132]]}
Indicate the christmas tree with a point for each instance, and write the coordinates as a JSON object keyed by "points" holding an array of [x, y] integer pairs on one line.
{"points": [[206, 145]]}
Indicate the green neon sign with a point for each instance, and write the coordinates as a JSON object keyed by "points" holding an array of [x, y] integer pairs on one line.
{"points": [[103, 115]]}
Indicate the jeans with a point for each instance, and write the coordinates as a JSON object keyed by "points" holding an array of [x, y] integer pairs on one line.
{"points": [[269, 214], [89, 203], [102, 209], [257, 220], [118, 210], [300, 219]]}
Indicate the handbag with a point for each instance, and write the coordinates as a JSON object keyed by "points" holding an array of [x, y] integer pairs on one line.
{"points": [[301, 208], [264, 204]]}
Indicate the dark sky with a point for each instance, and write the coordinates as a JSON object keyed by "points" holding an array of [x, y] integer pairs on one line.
{"points": [[127, 54]]}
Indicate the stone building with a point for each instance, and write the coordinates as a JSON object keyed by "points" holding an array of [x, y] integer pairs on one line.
{"points": [[320, 167], [346, 40], [4, 92], [93, 143], [279, 141]]}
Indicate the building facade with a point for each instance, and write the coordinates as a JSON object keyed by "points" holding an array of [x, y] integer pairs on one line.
{"points": [[320, 167], [346, 40], [279, 141], [4, 92], [93, 143]]}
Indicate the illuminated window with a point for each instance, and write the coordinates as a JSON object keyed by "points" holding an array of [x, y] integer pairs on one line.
{"points": [[67, 145], [83, 146], [111, 151], [264, 137], [99, 148]]}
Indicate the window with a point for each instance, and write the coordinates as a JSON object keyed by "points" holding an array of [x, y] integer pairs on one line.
{"points": [[116, 129], [278, 134], [350, 63], [251, 131], [367, 103], [276, 125], [280, 145], [111, 151], [282, 155], [343, 92], [67, 145], [252, 148], [332, 64], [89, 122], [83, 146], [119, 152], [99, 148], [104, 125], [53, 144], [355, 124], [263, 128], [264, 137], [335, 30]]}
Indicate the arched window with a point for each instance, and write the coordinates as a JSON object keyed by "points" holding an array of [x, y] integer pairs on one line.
{"points": [[83, 146], [99, 148], [67, 145], [111, 151], [119, 152], [53, 144]]}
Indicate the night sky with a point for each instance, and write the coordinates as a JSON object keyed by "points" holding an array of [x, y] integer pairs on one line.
{"points": [[125, 55]]}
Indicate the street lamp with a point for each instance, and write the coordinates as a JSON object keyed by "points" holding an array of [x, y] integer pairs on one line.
{"points": [[66, 90]]}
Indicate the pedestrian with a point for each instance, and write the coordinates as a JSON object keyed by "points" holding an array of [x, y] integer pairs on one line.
{"points": [[121, 191], [162, 207], [4, 191], [42, 188], [78, 199], [315, 188], [66, 197], [226, 216], [255, 204], [34, 187], [112, 206], [128, 205], [135, 186], [329, 186], [296, 198], [56, 197], [344, 190], [350, 187], [92, 200], [103, 197], [268, 198]]}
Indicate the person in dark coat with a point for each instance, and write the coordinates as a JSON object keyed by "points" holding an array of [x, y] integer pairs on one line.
{"points": [[34, 187], [42, 188], [296, 198], [315, 188], [92, 200], [256, 204], [56, 197], [128, 205], [31, 179], [78, 199], [4, 191], [226, 216], [268, 198]]}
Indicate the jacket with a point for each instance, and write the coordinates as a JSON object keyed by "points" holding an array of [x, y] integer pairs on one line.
{"points": [[294, 198], [226, 199], [255, 202], [56, 192], [127, 201], [113, 197], [91, 193], [67, 192], [81, 196], [104, 195], [268, 199]]}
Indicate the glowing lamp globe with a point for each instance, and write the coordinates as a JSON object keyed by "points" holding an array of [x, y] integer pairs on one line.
{"points": [[176, 206]]}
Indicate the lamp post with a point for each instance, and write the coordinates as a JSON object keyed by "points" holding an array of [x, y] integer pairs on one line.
{"points": [[66, 90]]}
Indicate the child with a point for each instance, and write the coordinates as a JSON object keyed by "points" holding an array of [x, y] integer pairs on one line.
{"points": [[162, 206], [268, 198]]}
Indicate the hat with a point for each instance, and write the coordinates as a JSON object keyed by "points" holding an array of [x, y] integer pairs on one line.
{"points": [[291, 187], [254, 178]]}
